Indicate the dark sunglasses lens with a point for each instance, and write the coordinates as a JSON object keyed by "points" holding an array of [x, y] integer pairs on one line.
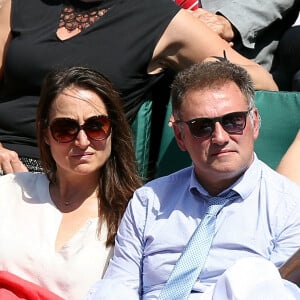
{"points": [[235, 122], [64, 130], [98, 127], [201, 128]]}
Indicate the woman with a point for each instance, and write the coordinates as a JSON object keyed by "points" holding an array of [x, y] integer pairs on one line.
{"points": [[57, 229], [132, 42]]}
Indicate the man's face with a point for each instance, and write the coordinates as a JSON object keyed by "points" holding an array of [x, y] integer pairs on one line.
{"points": [[222, 157]]}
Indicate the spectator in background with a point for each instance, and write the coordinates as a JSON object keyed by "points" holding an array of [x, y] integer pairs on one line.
{"points": [[132, 42], [57, 228], [289, 59], [216, 122], [253, 27]]}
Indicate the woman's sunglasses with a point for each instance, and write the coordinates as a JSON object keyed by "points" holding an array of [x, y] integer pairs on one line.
{"points": [[65, 130], [232, 123]]}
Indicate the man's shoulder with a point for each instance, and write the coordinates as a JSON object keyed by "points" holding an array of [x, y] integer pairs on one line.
{"points": [[182, 176], [158, 192], [279, 182], [166, 185]]}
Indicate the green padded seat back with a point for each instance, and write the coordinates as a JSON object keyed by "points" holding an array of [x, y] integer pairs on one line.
{"points": [[170, 157], [141, 128], [280, 121], [280, 116]]}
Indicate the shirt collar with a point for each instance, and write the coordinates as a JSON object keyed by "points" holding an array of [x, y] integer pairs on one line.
{"points": [[243, 186]]}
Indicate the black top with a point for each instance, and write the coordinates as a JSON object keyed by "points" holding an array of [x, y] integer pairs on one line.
{"points": [[120, 45]]}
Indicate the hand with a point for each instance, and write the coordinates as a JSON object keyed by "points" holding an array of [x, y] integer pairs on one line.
{"points": [[216, 23], [10, 162]]}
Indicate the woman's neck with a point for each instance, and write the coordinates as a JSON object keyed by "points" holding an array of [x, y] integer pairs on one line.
{"points": [[69, 193]]}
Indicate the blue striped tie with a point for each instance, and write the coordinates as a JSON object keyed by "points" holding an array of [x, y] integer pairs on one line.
{"points": [[191, 261]]}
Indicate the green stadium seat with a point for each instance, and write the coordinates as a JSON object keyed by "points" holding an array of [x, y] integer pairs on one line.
{"points": [[141, 128]]}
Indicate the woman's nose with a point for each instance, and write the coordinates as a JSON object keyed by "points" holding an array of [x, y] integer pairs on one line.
{"points": [[82, 140]]}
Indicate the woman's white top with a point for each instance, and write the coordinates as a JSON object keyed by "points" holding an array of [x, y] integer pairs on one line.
{"points": [[29, 223]]}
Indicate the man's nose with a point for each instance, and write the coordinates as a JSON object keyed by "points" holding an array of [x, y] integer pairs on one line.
{"points": [[219, 135]]}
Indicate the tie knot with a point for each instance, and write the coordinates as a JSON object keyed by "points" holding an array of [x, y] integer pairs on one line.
{"points": [[215, 204]]}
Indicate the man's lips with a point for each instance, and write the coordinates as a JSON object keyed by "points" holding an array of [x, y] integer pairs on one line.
{"points": [[222, 152]]}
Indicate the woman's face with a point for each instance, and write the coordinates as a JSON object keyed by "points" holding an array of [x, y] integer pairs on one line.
{"points": [[83, 155]]}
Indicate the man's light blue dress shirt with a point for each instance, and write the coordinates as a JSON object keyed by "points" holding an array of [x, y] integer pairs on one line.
{"points": [[164, 213]]}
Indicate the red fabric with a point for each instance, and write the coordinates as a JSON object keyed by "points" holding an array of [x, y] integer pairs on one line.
{"points": [[188, 4], [13, 287]]}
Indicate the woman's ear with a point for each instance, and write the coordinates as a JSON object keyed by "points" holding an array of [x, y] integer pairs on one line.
{"points": [[46, 136]]}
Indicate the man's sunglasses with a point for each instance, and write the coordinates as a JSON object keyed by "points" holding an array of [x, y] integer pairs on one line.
{"points": [[65, 130], [232, 123]]}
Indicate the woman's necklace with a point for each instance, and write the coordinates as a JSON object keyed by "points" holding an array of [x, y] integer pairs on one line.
{"points": [[80, 17], [68, 202], [57, 200]]}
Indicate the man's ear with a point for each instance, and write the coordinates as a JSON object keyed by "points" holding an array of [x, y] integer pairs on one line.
{"points": [[179, 136], [256, 123]]}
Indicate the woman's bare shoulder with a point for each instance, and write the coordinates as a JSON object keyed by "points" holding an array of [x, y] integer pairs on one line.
{"points": [[5, 8], [4, 2]]}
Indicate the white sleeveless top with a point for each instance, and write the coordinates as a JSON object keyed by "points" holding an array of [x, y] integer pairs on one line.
{"points": [[29, 222]]}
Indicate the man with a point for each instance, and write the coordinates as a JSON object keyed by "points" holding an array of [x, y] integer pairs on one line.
{"points": [[254, 27], [216, 121]]}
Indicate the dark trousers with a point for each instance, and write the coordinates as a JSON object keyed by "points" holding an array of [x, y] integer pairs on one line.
{"points": [[288, 54]]}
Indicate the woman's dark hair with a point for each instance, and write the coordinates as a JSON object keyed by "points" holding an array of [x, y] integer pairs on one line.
{"points": [[119, 176]]}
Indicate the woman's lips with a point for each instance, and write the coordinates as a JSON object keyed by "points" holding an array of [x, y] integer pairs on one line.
{"points": [[82, 155]]}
